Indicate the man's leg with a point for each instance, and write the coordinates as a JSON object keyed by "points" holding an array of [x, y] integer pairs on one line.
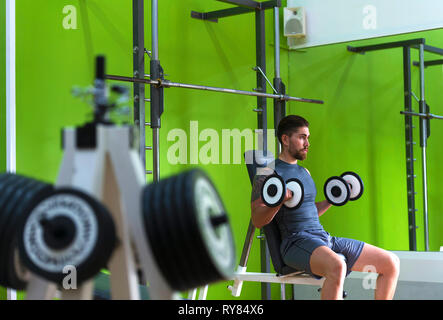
{"points": [[325, 262], [386, 264]]}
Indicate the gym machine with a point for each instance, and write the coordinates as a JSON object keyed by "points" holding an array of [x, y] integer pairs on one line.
{"points": [[173, 235]]}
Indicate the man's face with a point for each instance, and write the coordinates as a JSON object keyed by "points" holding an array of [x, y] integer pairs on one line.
{"points": [[297, 143]]}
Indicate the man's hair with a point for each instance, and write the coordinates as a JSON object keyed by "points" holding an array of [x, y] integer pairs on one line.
{"points": [[289, 125]]}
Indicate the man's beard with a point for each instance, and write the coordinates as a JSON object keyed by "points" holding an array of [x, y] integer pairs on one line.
{"points": [[298, 154]]}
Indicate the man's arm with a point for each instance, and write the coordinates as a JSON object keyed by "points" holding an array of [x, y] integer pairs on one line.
{"points": [[322, 206], [261, 214]]}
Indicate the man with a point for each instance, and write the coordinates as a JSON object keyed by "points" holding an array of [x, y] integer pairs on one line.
{"points": [[305, 244]]}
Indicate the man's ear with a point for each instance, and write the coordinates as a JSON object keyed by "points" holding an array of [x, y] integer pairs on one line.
{"points": [[285, 139]]}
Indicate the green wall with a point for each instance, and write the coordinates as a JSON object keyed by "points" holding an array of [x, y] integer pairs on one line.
{"points": [[358, 128]]}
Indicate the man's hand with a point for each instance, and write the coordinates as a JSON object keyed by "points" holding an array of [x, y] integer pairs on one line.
{"points": [[288, 196]]}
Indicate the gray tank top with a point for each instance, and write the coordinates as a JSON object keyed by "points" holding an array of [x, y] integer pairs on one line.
{"points": [[306, 216]]}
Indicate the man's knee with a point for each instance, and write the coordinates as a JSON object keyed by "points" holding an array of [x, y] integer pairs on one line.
{"points": [[391, 265], [336, 269]]}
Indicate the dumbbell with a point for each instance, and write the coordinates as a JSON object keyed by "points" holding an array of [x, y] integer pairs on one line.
{"points": [[339, 190], [274, 189]]}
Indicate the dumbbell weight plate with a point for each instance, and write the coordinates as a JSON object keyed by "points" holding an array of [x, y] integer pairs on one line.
{"points": [[337, 191], [67, 227], [273, 190], [356, 184], [296, 187]]}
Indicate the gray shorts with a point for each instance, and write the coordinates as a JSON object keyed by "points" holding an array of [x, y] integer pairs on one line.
{"points": [[297, 250]]}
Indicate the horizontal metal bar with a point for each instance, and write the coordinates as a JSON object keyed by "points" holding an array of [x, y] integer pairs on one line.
{"points": [[243, 3], [422, 115], [148, 148], [169, 84], [387, 45], [147, 123], [270, 4], [433, 49], [215, 15], [429, 63], [148, 171], [413, 43], [247, 6]]}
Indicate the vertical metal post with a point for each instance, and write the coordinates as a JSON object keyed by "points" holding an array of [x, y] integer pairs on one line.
{"points": [[262, 124], [423, 145], [279, 106], [409, 148], [156, 72], [277, 42], [261, 81], [154, 30], [139, 71], [10, 100], [10, 87]]}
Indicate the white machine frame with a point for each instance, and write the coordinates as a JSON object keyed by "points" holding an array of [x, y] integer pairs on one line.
{"points": [[113, 174]]}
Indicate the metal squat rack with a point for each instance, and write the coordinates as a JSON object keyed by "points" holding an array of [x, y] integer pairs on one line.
{"points": [[157, 83], [424, 115]]}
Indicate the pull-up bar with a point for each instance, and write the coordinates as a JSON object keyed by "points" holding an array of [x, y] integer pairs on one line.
{"points": [[170, 84]]}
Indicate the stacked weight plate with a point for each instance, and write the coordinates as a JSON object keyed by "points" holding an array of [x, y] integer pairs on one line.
{"points": [[66, 228], [189, 231], [17, 193]]}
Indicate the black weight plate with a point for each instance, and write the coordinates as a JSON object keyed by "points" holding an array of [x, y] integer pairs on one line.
{"points": [[11, 184], [5, 176], [8, 237], [154, 224], [205, 266], [344, 189], [209, 266], [7, 187], [192, 264], [357, 179], [16, 276], [31, 197], [276, 181], [177, 257], [224, 268], [205, 263], [101, 249], [224, 240], [106, 242]]}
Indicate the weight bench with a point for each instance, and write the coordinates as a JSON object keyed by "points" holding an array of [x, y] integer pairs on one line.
{"points": [[284, 274]]}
